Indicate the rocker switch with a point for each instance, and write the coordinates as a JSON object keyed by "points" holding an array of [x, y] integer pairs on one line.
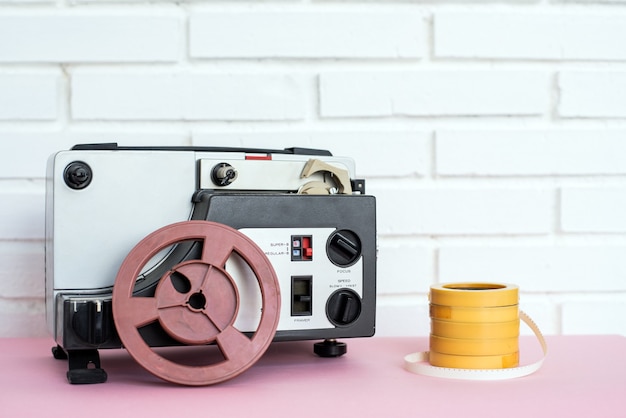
{"points": [[301, 295], [301, 248]]}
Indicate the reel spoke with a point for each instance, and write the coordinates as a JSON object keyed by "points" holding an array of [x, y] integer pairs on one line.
{"points": [[143, 311], [234, 344], [215, 323], [215, 252]]}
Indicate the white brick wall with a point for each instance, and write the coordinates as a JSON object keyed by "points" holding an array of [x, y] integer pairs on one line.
{"points": [[492, 133], [433, 93], [529, 35], [593, 209], [80, 37], [41, 90], [185, 96], [592, 94], [297, 34], [562, 152], [445, 211], [533, 268]]}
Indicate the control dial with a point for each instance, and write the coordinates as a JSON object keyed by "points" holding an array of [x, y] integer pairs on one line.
{"points": [[223, 174], [343, 307], [343, 248], [77, 175]]}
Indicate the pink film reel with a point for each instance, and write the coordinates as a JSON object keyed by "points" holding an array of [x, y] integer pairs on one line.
{"points": [[201, 309]]}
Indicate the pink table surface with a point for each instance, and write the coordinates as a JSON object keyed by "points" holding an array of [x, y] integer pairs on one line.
{"points": [[583, 376]]}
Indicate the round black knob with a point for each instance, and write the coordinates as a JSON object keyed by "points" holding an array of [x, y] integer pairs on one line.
{"points": [[77, 175], [343, 307], [343, 248], [223, 174]]}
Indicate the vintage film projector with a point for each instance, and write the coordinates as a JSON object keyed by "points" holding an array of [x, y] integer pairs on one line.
{"points": [[222, 249]]}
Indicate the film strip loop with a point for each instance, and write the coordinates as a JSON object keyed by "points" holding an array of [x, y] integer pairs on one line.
{"points": [[474, 334]]}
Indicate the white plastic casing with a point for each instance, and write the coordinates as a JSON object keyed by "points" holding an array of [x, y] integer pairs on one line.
{"points": [[90, 231]]}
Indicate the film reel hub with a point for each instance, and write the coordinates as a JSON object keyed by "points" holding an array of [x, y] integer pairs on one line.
{"points": [[196, 303]]}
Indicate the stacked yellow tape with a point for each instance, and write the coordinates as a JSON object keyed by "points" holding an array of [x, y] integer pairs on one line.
{"points": [[474, 326], [474, 334]]}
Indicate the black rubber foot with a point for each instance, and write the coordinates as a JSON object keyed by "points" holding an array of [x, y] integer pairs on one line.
{"points": [[84, 367], [86, 376], [58, 353], [330, 348]]}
